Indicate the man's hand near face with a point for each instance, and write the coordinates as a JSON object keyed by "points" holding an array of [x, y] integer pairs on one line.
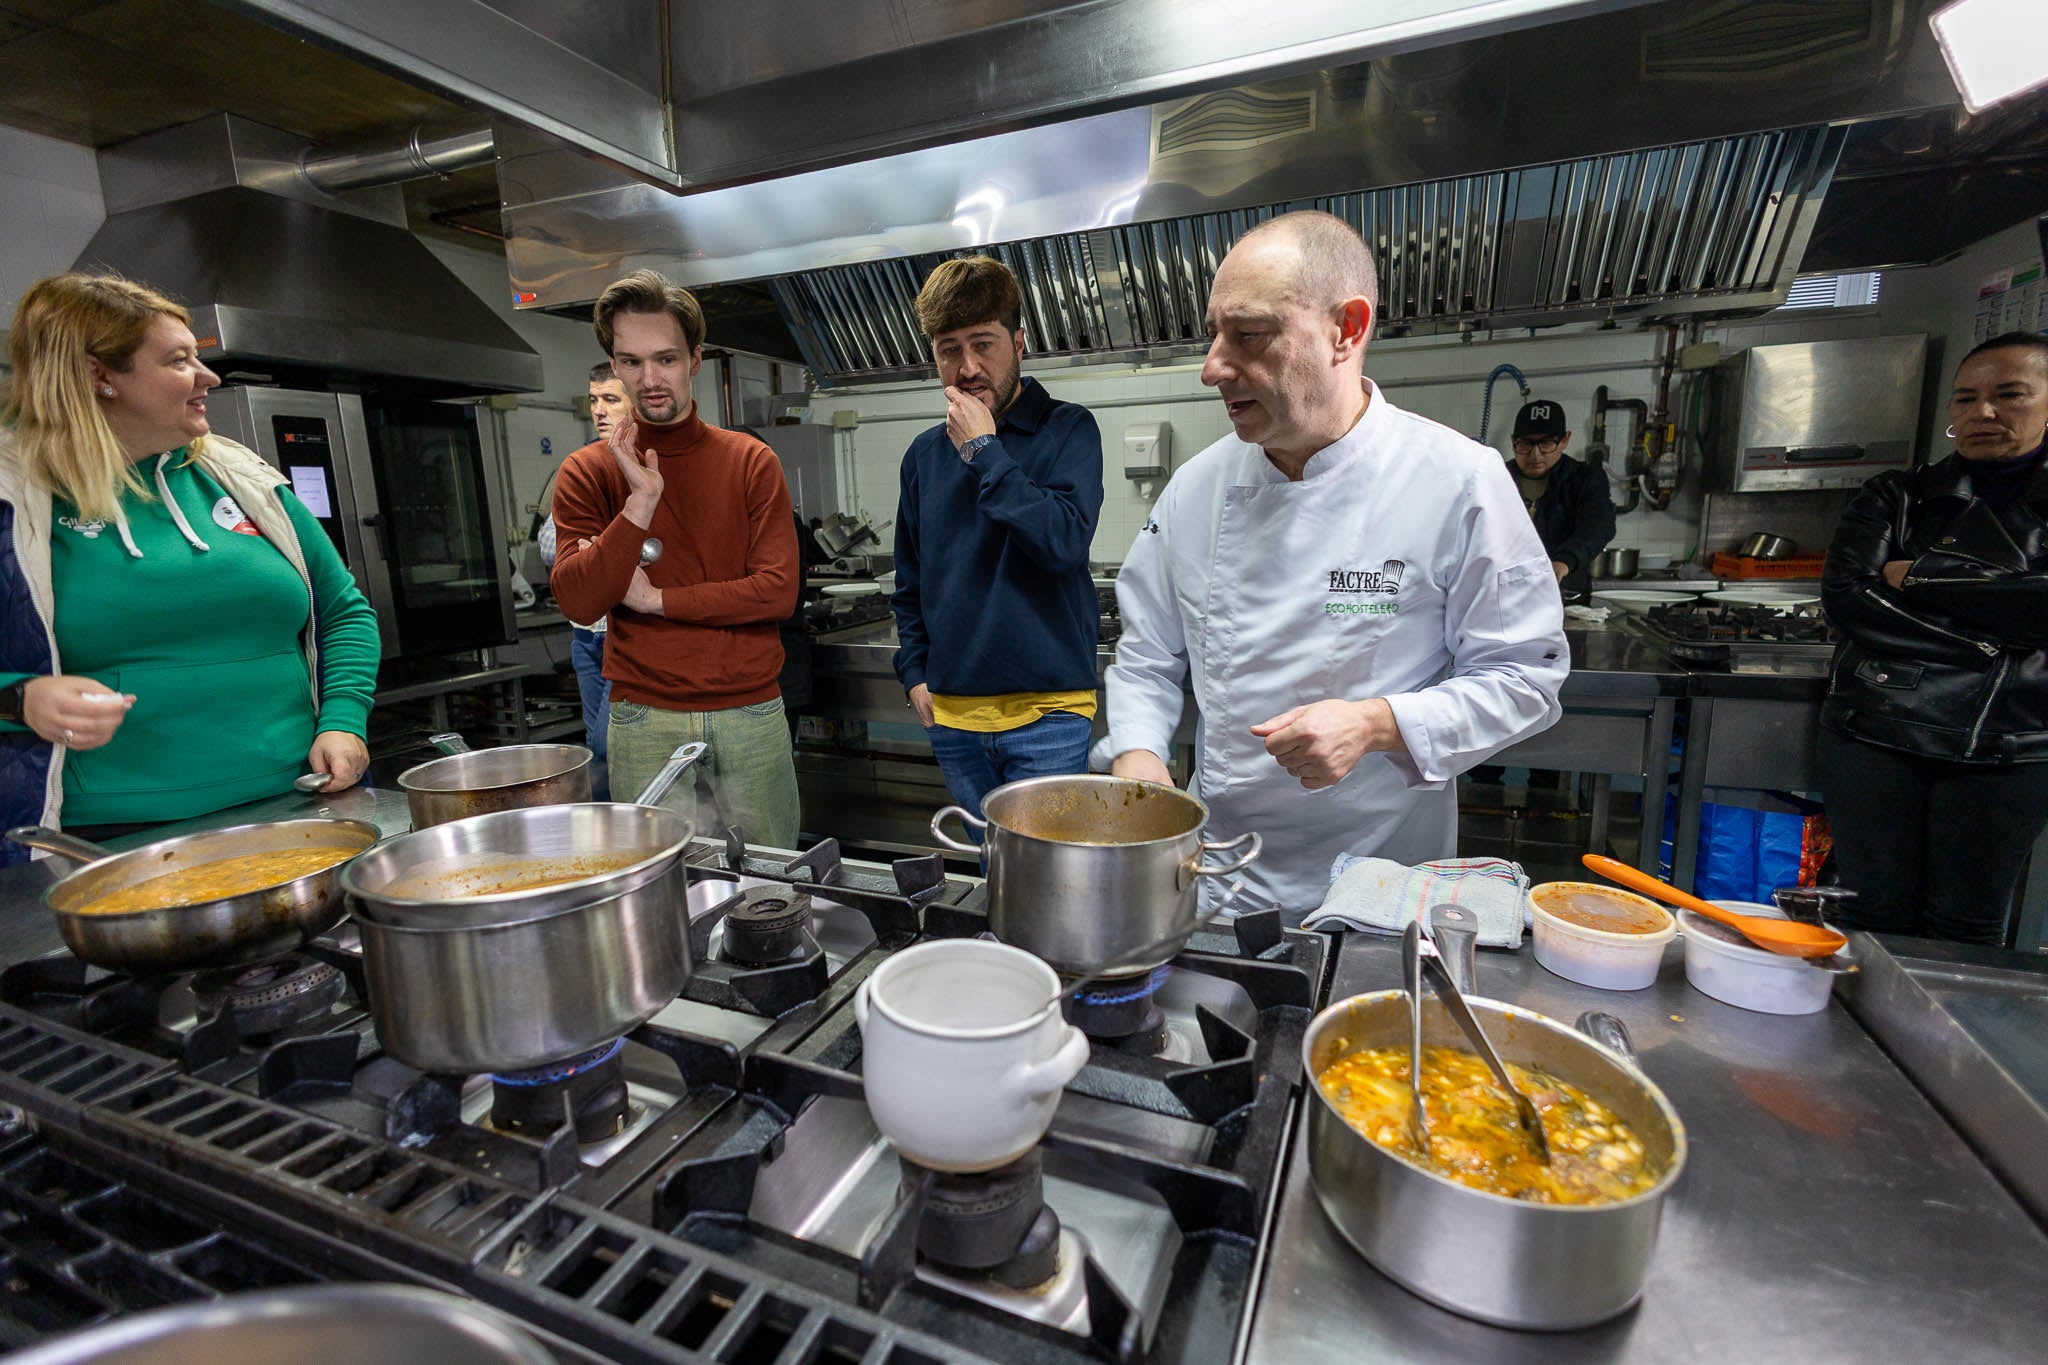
{"points": [[966, 418], [642, 470]]}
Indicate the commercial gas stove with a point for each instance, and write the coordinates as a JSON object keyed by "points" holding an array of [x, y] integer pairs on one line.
{"points": [[710, 1187], [1744, 639]]}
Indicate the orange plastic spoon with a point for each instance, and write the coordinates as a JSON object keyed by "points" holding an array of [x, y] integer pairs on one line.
{"points": [[1779, 935]]}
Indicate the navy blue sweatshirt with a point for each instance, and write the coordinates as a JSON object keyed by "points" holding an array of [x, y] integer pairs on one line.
{"points": [[992, 588]]}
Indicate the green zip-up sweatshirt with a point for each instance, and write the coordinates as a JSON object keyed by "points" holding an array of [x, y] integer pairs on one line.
{"points": [[203, 620]]}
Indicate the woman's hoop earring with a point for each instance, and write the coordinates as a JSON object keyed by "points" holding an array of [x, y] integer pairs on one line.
{"points": [[1951, 431]]}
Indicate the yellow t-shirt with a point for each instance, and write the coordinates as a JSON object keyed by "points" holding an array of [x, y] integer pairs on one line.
{"points": [[1010, 711]]}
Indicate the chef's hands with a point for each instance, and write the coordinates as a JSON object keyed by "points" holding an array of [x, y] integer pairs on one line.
{"points": [[1895, 572], [642, 469], [78, 713], [921, 702], [1321, 743], [1142, 764], [340, 753], [966, 418]]}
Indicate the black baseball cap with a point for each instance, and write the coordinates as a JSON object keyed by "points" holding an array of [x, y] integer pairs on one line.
{"points": [[1541, 418]]}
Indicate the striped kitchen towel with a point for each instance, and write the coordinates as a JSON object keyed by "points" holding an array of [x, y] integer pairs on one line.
{"points": [[1381, 896]]}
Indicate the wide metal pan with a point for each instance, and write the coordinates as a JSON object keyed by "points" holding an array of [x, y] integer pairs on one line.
{"points": [[230, 932], [1548, 1267], [479, 781]]}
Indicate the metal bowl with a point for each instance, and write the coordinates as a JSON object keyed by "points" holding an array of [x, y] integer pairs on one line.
{"points": [[351, 1322], [1502, 1261], [1766, 545], [1616, 562]]}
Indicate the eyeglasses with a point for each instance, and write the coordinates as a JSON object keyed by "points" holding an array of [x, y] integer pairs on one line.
{"points": [[1546, 445]]}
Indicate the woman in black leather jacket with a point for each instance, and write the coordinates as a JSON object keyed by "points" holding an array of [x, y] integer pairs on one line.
{"points": [[1934, 737]]}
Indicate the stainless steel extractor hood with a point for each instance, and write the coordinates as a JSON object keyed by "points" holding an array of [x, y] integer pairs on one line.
{"points": [[284, 278]]}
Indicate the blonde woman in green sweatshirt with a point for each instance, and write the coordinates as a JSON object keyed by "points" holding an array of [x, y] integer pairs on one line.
{"points": [[177, 633]]}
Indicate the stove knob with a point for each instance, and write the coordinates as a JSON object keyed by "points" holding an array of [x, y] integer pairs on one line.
{"points": [[14, 1121]]}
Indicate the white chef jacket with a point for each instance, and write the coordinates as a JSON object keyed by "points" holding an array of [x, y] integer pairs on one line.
{"points": [[1402, 565]]}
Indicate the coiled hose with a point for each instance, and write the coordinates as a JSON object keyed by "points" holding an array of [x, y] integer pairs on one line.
{"points": [[1486, 407]]}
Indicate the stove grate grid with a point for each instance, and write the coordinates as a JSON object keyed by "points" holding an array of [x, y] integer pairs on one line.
{"points": [[627, 1292], [80, 1245], [51, 1071]]}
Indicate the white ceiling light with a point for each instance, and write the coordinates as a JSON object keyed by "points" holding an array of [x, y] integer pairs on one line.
{"points": [[1995, 49]]}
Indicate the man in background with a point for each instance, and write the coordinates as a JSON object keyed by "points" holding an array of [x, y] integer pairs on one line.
{"points": [[586, 643], [1566, 499], [995, 612], [694, 646]]}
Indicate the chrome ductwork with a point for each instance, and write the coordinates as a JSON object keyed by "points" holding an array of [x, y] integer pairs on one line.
{"points": [[1717, 225], [299, 265]]}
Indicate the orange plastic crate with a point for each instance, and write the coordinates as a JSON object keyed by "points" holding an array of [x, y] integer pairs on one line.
{"points": [[1725, 565]]}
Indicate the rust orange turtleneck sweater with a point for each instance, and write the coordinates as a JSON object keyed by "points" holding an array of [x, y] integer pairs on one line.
{"points": [[728, 573]]}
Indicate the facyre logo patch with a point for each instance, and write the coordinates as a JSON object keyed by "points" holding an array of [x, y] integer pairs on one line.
{"points": [[230, 517], [1361, 586]]}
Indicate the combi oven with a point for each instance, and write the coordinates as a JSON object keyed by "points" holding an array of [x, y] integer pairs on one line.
{"points": [[407, 494]]}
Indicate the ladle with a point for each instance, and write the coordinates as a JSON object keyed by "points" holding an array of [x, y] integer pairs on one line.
{"points": [[1787, 937], [650, 550]]}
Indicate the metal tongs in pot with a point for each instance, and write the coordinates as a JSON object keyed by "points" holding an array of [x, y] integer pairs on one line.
{"points": [[1458, 938]]}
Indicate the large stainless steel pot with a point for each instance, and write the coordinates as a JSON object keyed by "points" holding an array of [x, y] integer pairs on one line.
{"points": [[335, 1322], [1499, 1260], [478, 781], [229, 932], [1616, 562], [509, 980], [1088, 871]]}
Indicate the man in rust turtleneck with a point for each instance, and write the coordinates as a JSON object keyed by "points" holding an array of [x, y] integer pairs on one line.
{"points": [[693, 650]]}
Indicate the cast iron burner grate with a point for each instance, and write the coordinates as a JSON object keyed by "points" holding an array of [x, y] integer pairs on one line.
{"points": [[592, 1086], [268, 996], [768, 925], [1123, 1013]]}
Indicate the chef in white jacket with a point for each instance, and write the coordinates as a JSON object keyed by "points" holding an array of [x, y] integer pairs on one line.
{"points": [[1364, 603]]}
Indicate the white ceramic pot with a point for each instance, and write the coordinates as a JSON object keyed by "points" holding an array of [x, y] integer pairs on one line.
{"points": [[964, 1052]]}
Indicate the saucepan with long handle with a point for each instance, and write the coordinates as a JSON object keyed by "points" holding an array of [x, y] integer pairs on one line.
{"points": [[229, 931]]}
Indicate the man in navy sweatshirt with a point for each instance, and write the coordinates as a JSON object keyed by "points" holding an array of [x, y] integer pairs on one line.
{"points": [[995, 612]]}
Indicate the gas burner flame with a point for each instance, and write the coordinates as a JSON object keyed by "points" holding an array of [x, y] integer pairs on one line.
{"points": [[1111, 994], [561, 1071]]}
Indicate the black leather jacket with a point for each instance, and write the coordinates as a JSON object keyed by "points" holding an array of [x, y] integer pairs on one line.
{"points": [[1954, 664]]}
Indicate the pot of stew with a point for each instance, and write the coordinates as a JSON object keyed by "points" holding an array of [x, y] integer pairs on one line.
{"points": [[1479, 1224], [512, 940], [220, 898]]}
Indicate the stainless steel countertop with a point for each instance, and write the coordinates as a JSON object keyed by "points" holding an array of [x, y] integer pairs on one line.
{"points": [[1606, 661], [1827, 1213]]}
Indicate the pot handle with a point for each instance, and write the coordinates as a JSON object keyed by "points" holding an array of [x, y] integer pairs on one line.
{"points": [[966, 818], [1606, 1029], [449, 743], [1040, 1079], [56, 841], [678, 763], [1239, 864]]}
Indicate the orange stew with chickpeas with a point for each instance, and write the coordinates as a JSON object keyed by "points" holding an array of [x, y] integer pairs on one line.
{"points": [[1475, 1134]]}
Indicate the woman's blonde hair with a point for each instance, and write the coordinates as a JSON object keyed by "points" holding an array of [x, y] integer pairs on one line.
{"points": [[61, 433]]}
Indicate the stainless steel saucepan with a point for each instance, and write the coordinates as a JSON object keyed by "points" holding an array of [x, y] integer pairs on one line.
{"points": [[228, 932], [1091, 870], [1485, 1256], [473, 966], [478, 781]]}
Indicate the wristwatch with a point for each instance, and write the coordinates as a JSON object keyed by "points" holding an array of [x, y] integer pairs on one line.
{"points": [[975, 446], [14, 701]]}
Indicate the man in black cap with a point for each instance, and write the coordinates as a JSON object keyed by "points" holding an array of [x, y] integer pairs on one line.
{"points": [[1567, 500]]}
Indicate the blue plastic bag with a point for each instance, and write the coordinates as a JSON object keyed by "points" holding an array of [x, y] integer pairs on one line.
{"points": [[1744, 855]]}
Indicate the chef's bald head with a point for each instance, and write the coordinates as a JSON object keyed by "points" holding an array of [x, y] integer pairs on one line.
{"points": [[1333, 262]]}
